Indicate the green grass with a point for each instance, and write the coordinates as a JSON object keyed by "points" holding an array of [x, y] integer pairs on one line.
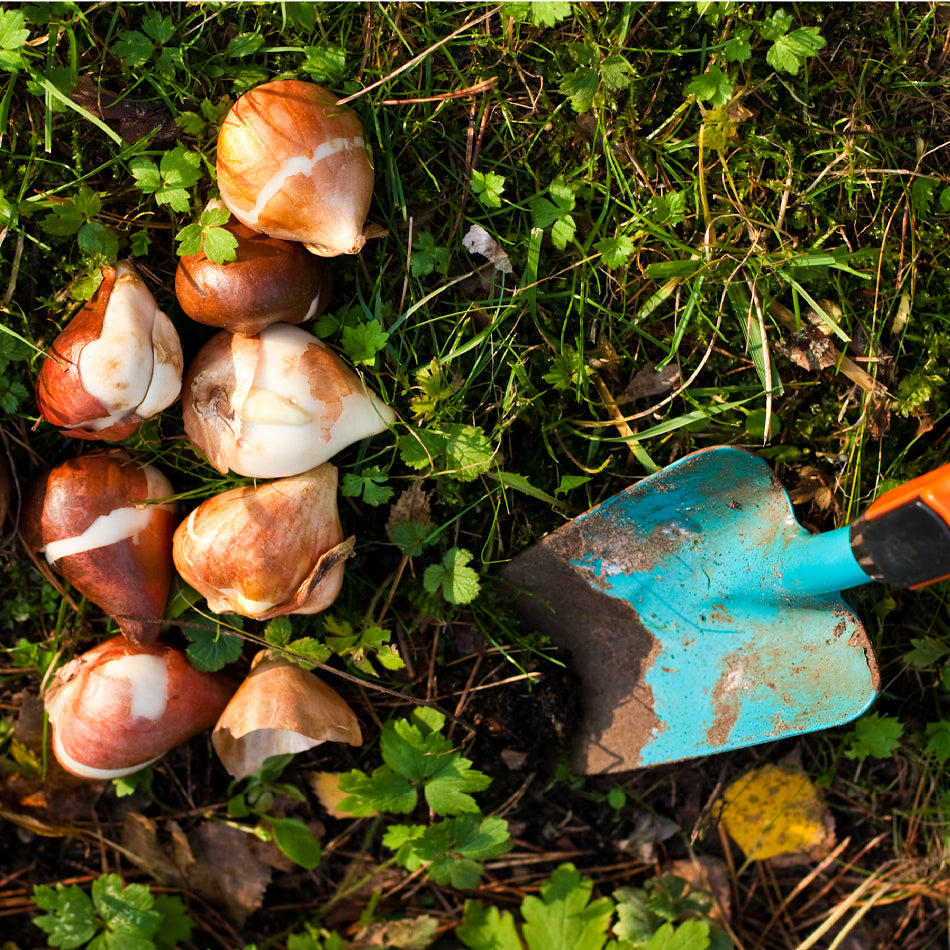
{"points": [[672, 186]]}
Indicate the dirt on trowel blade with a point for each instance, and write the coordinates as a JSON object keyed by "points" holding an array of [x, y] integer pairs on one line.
{"points": [[611, 650]]}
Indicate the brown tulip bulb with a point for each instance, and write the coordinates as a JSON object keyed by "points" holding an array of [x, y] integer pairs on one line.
{"points": [[121, 706], [275, 404], [293, 164], [117, 363], [269, 281], [279, 709], [96, 520], [267, 549]]}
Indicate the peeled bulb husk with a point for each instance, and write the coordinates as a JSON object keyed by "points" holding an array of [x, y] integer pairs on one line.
{"points": [[275, 404], [279, 709], [268, 549], [117, 363], [269, 281], [119, 707], [95, 519], [294, 164]]}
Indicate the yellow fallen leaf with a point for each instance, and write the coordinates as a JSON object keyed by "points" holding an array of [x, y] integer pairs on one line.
{"points": [[326, 786], [773, 812]]}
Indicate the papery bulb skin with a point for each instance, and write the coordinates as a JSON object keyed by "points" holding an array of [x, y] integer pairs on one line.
{"points": [[294, 164], [280, 708], [275, 404], [267, 549], [269, 281], [121, 706], [90, 519], [116, 364]]}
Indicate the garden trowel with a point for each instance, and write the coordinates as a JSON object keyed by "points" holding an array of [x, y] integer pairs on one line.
{"points": [[701, 616]]}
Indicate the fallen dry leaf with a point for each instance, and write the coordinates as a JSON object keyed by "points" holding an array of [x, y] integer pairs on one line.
{"points": [[777, 813], [478, 241], [326, 786]]}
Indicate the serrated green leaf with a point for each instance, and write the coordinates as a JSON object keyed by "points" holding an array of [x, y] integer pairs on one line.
{"points": [[938, 740], [382, 791], [212, 650], [176, 925], [468, 452], [362, 342], [488, 188], [13, 32], [543, 212], [738, 48], [581, 87], [95, 239], [562, 232], [777, 25], [447, 789], [459, 583], [690, 935], [63, 220], [146, 174], [297, 841], [564, 917], [427, 256], [539, 12], [874, 735], [615, 252], [135, 49], [325, 63], [191, 123], [369, 484], [712, 86], [159, 28], [71, 919], [411, 537], [788, 53], [616, 72], [126, 910], [219, 245], [487, 928], [926, 651], [279, 631]]}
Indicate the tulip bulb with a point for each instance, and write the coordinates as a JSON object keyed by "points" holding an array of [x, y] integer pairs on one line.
{"points": [[280, 709], [120, 707], [268, 549], [293, 164], [275, 404], [92, 518], [269, 281], [117, 363]]}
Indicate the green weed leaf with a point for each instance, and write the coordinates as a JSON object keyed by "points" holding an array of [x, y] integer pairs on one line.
{"points": [[297, 841], [70, 920], [159, 28], [712, 86], [581, 87], [776, 26], [738, 48], [487, 188], [874, 735], [362, 342], [615, 252], [382, 791], [212, 650], [616, 72], [690, 935], [468, 452], [539, 12], [325, 63], [63, 220], [564, 917], [125, 910], [427, 256], [926, 651], [369, 484], [135, 49], [487, 928], [96, 240], [938, 740], [176, 926], [458, 582], [244, 44], [789, 52], [169, 181], [13, 31]]}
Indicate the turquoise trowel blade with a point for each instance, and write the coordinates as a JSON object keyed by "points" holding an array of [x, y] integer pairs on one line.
{"points": [[700, 616]]}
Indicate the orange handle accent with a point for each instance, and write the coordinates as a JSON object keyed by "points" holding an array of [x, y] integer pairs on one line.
{"points": [[933, 489]]}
